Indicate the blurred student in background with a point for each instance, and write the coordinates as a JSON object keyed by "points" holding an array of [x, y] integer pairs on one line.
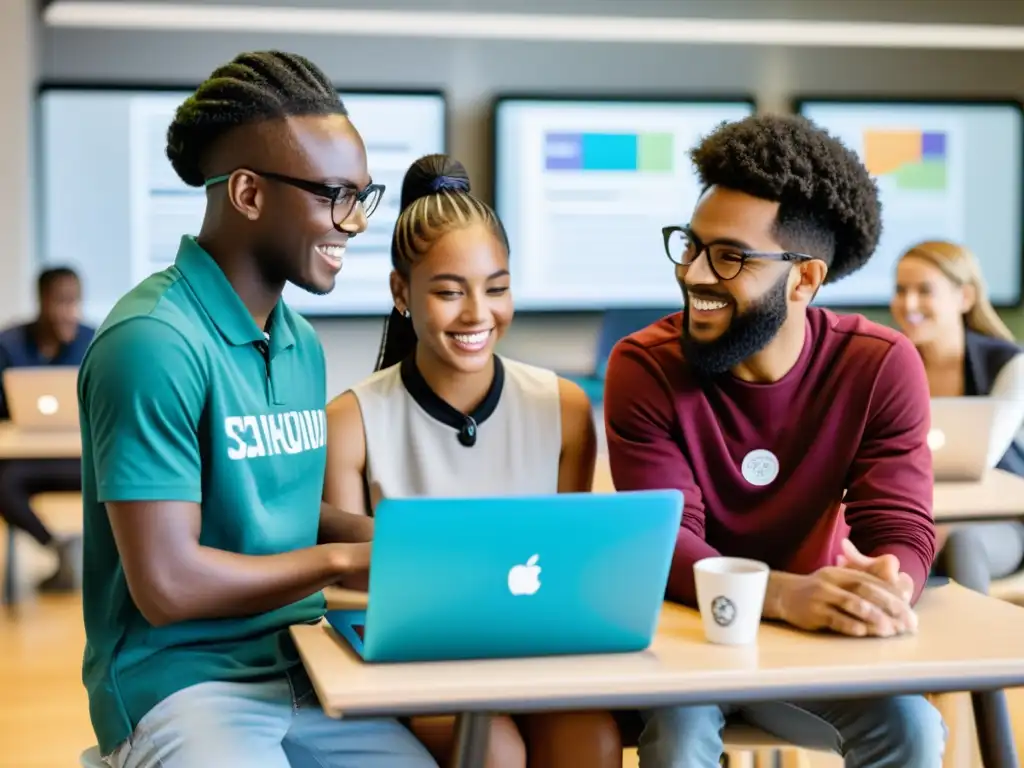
{"points": [[445, 416], [942, 305], [56, 337]]}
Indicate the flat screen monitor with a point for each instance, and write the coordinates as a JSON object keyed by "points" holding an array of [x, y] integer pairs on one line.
{"points": [[111, 206], [945, 171], [584, 187]]}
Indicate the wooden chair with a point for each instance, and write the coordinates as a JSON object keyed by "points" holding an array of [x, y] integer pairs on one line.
{"points": [[748, 747], [745, 746]]}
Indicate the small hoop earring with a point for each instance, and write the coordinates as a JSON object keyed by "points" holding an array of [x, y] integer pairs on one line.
{"points": [[407, 314]]}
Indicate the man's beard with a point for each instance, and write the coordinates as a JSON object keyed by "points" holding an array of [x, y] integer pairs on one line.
{"points": [[748, 333]]}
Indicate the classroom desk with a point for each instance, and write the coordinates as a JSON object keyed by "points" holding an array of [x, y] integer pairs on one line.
{"points": [[951, 652], [59, 444], [999, 495]]}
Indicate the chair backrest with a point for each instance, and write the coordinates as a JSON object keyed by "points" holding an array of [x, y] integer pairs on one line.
{"points": [[616, 324]]}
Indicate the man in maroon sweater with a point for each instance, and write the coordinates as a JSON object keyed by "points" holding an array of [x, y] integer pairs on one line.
{"points": [[765, 411]]}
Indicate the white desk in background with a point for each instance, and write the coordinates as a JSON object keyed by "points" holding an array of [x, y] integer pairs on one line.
{"points": [[18, 444]]}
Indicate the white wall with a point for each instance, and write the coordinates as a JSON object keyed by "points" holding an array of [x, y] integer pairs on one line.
{"points": [[18, 31]]}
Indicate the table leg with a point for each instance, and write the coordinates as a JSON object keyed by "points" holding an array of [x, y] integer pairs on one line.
{"points": [[995, 733], [472, 732], [10, 587]]}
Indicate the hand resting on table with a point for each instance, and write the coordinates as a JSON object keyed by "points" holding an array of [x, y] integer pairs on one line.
{"points": [[844, 600]]}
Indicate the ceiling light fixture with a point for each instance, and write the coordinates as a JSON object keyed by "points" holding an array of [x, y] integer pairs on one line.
{"points": [[528, 26]]}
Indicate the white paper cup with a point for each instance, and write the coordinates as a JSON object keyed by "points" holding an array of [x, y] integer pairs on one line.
{"points": [[730, 595]]}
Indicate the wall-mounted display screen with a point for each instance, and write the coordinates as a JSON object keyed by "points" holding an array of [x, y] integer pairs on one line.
{"points": [[584, 188], [945, 171], [112, 207]]}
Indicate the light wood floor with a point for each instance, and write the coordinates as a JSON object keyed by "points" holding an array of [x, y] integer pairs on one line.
{"points": [[44, 721]]}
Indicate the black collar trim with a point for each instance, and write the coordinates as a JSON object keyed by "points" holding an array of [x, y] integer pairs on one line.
{"points": [[439, 409]]}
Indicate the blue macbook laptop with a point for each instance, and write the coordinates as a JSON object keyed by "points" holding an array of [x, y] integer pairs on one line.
{"points": [[472, 578]]}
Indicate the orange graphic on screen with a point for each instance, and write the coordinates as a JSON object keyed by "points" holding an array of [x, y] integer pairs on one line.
{"points": [[885, 151], [914, 159]]}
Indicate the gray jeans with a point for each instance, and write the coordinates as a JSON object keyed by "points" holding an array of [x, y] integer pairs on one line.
{"points": [[976, 553], [274, 724], [896, 732]]}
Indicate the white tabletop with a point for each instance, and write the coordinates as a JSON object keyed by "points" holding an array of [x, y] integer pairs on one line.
{"points": [[965, 642], [40, 444]]}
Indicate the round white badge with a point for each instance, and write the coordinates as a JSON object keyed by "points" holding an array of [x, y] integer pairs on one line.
{"points": [[760, 467]]}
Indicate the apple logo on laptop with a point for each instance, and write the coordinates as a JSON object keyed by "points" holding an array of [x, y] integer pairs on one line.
{"points": [[524, 579]]}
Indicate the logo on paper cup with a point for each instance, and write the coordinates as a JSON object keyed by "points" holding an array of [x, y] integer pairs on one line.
{"points": [[723, 611]]}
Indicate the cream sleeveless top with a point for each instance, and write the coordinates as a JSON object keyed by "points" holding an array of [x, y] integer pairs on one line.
{"points": [[419, 445]]}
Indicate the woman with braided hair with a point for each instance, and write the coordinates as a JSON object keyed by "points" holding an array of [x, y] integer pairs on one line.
{"points": [[444, 415]]}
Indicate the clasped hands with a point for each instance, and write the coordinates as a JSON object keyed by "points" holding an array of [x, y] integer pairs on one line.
{"points": [[859, 596]]}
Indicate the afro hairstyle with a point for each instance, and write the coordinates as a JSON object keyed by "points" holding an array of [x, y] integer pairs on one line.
{"points": [[828, 202]]}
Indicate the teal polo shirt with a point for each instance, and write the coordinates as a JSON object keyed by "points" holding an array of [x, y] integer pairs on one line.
{"points": [[182, 398]]}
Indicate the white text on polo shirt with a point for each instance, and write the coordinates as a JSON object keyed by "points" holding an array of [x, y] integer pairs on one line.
{"points": [[271, 434]]}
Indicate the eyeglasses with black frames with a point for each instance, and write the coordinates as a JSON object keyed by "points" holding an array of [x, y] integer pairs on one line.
{"points": [[725, 259], [343, 197]]}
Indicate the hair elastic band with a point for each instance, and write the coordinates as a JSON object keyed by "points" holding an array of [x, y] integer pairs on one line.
{"points": [[446, 182]]}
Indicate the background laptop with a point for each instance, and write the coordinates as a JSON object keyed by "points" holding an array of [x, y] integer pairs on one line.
{"points": [[515, 576], [43, 398], [970, 434]]}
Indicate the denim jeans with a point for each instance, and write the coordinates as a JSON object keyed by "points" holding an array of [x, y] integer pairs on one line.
{"points": [[898, 732], [275, 724]]}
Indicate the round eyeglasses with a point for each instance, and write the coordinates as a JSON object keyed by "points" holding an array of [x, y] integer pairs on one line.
{"points": [[726, 260], [343, 197]]}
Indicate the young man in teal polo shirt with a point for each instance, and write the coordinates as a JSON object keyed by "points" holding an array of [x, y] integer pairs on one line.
{"points": [[202, 409]]}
